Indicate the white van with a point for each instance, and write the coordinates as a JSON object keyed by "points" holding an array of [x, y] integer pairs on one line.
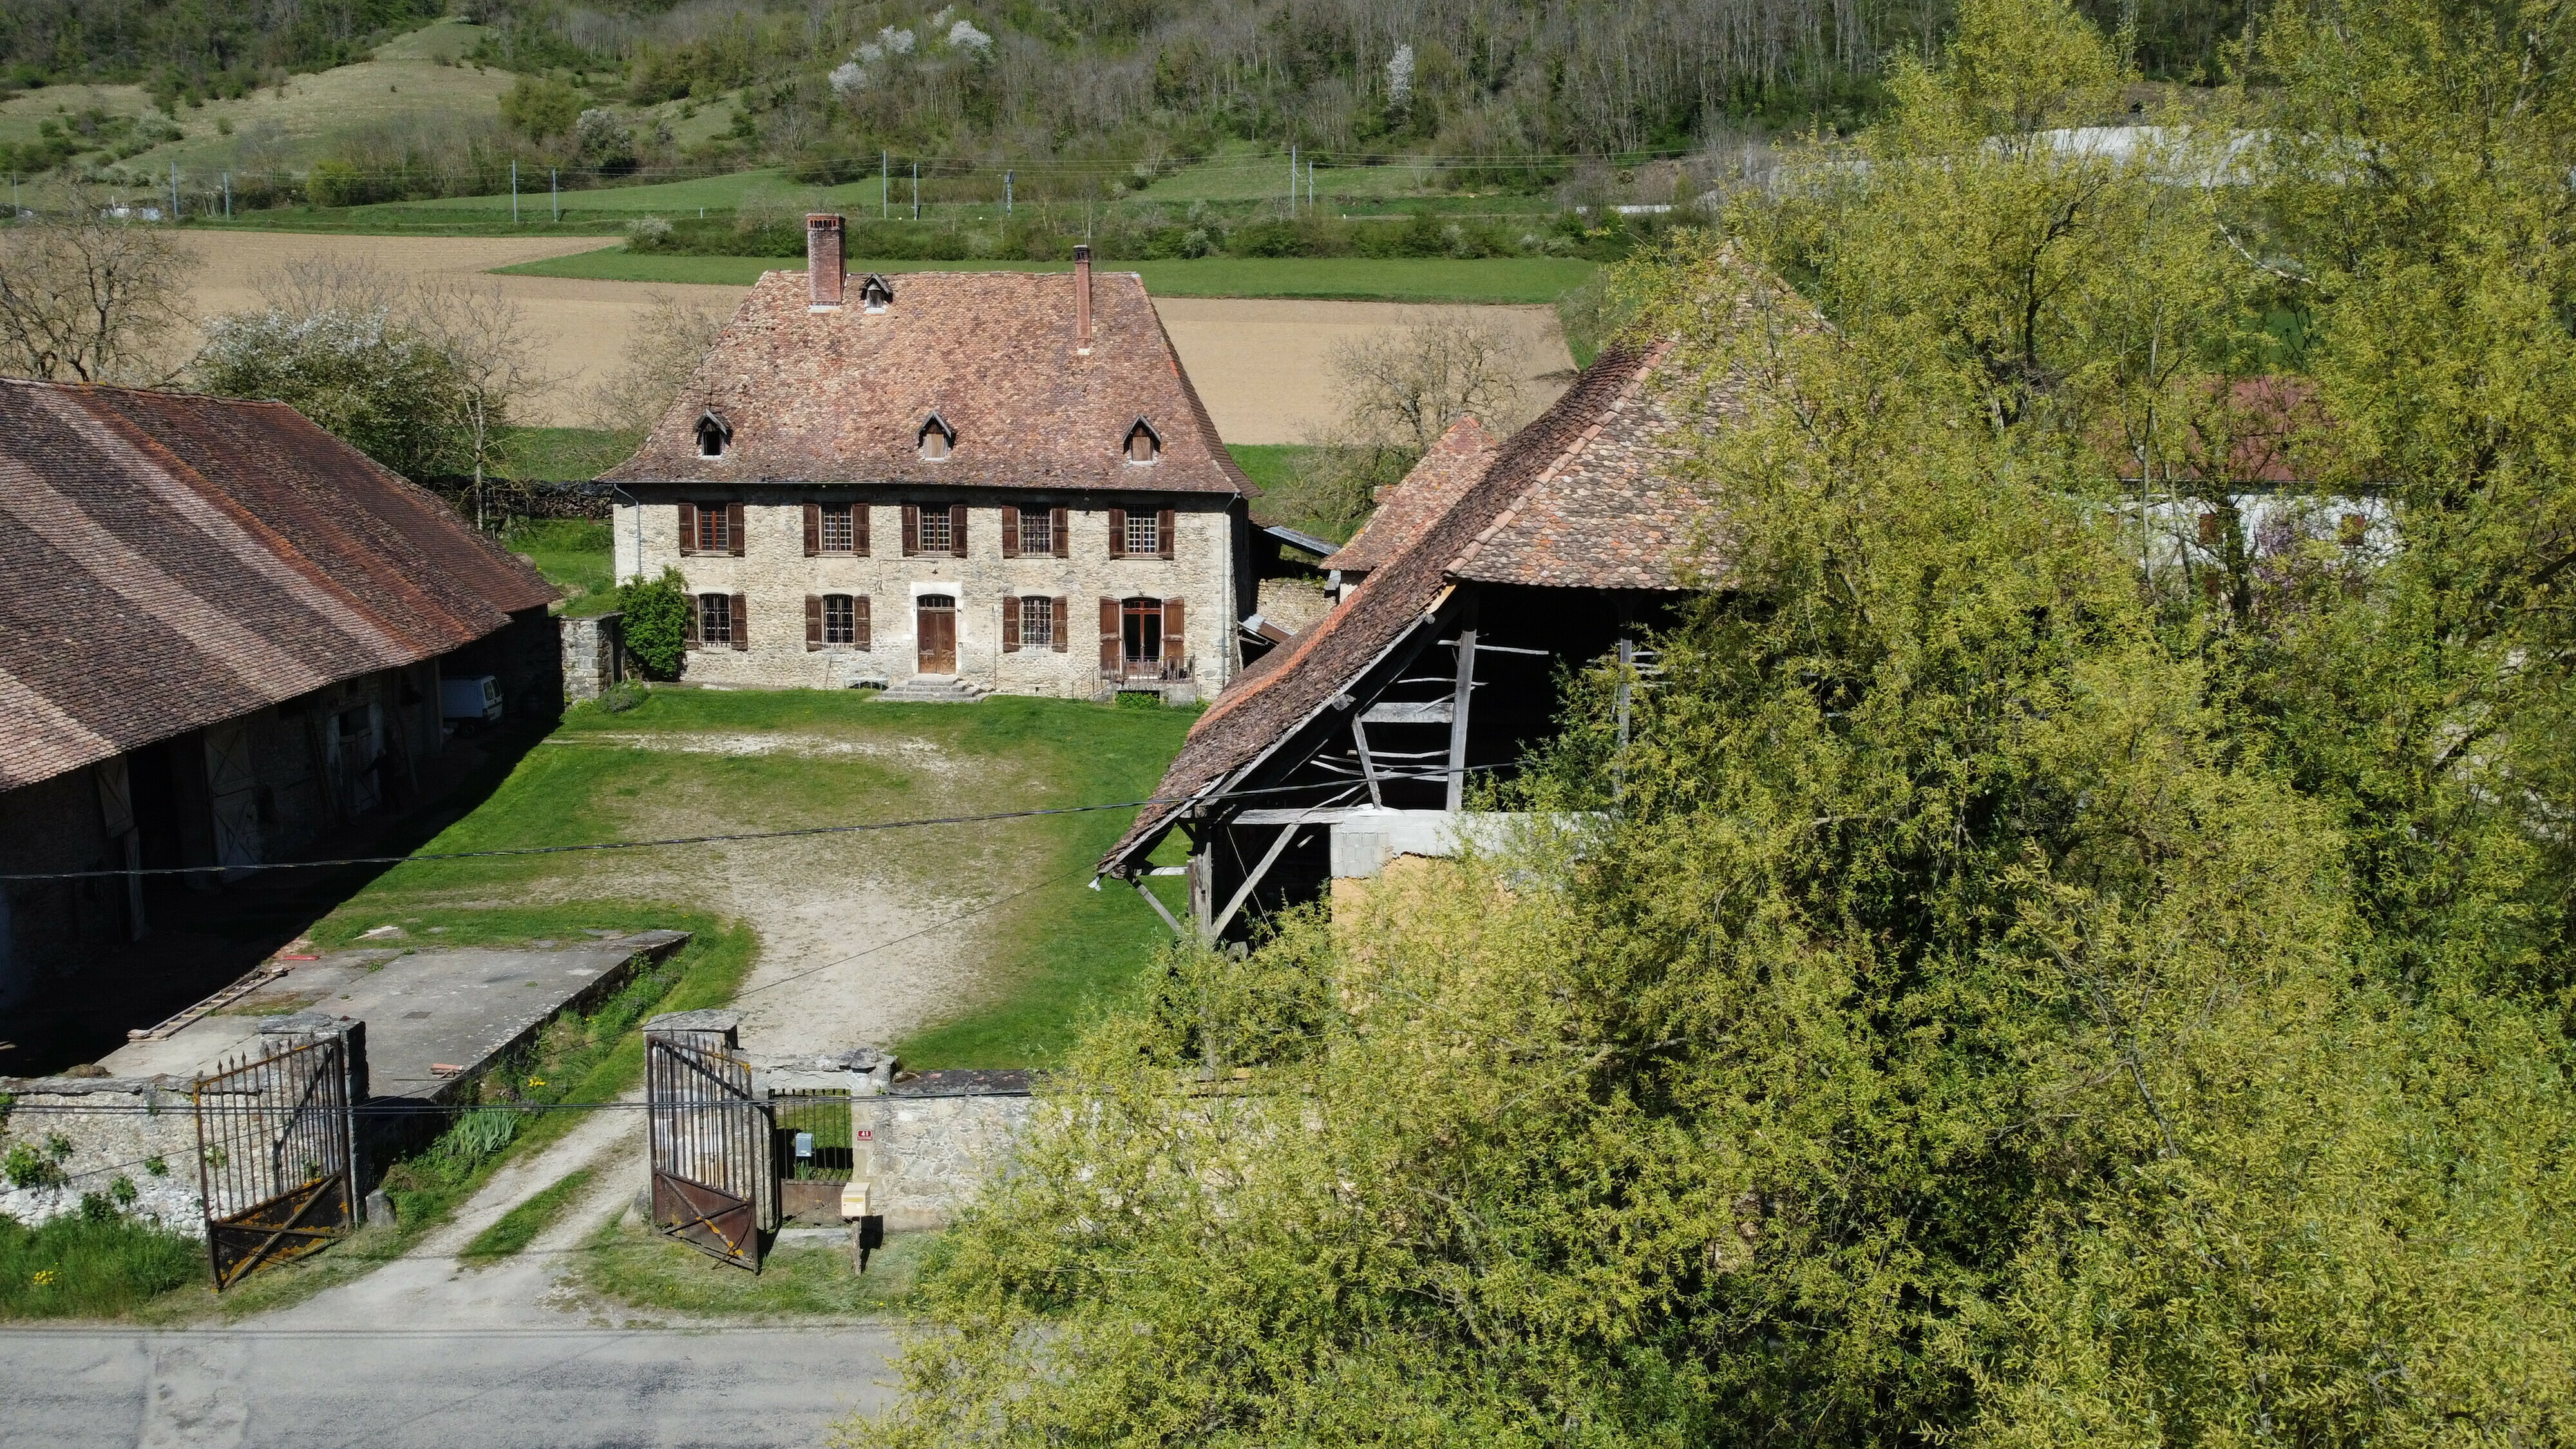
{"points": [[476, 696]]}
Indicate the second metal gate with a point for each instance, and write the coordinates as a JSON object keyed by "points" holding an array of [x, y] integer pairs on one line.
{"points": [[713, 1183], [273, 1159]]}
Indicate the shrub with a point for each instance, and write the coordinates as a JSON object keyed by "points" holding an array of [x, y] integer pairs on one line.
{"points": [[335, 183], [657, 622], [622, 696], [28, 1167], [538, 108]]}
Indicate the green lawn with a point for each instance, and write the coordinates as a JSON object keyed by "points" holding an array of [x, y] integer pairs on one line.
{"points": [[797, 1280], [618, 204], [1402, 279], [1269, 465], [563, 454], [573, 555]]}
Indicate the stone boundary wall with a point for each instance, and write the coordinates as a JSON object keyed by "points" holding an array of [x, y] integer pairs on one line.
{"points": [[925, 1157], [594, 654], [116, 1127]]}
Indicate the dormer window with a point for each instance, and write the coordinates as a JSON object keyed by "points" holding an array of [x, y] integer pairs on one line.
{"points": [[713, 435], [875, 295], [1144, 445], [937, 439]]}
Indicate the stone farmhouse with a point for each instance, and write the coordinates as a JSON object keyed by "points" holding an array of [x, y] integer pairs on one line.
{"points": [[953, 482], [1488, 569], [222, 636]]}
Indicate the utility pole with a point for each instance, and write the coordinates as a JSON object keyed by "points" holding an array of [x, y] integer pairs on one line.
{"points": [[554, 187], [228, 196], [1006, 195], [514, 191], [1292, 178], [916, 191], [174, 193]]}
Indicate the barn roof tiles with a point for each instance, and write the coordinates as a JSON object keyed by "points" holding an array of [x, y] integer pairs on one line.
{"points": [[840, 394], [169, 561], [1452, 465]]}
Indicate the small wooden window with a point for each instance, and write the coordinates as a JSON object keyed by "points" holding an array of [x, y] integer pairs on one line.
{"points": [[839, 533], [1037, 623], [937, 439], [1037, 531], [874, 294], [715, 527], [840, 621], [1142, 444], [1144, 534], [713, 436], [934, 535]]}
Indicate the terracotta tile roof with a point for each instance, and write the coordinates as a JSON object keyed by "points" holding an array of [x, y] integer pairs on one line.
{"points": [[1266, 705], [1455, 462], [841, 396], [169, 561]]}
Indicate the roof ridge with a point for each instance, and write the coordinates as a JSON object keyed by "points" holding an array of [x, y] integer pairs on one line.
{"points": [[1627, 393]]}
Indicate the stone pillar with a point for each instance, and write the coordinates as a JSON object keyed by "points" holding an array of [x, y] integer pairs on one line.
{"points": [[593, 655]]}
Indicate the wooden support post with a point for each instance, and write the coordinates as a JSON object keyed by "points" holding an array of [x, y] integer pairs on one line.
{"points": [[1269, 858], [1160, 909], [1368, 766], [1458, 718], [1202, 902]]}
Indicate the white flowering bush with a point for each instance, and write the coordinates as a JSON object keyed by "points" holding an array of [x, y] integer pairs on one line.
{"points": [[849, 78], [964, 36], [1399, 79]]}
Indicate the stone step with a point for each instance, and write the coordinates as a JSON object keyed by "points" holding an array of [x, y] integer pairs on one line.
{"points": [[934, 689]]}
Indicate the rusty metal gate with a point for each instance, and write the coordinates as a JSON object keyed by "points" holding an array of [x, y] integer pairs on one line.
{"points": [[273, 1159], [713, 1183]]}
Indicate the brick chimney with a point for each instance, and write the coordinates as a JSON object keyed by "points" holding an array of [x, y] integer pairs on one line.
{"points": [[1082, 299], [823, 261]]}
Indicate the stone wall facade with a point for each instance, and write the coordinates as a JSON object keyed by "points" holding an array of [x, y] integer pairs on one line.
{"points": [[924, 1158], [1207, 573], [98, 1130], [594, 655]]}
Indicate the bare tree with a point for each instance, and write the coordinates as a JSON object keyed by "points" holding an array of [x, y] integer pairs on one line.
{"points": [[669, 341], [89, 297], [491, 360], [1404, 390]]}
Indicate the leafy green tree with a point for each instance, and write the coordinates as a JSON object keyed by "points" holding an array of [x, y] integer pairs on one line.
{"points": [[538, 107], [359, 372], [656, 622]]}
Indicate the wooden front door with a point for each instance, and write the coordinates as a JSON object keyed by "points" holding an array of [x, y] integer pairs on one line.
{"points": [[936, 627]]}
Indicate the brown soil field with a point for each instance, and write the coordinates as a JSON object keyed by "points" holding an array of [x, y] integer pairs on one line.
{"points": [[1260, 365]]}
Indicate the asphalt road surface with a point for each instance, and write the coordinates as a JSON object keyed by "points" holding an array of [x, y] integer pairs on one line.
{"points": [[466, 1388]]}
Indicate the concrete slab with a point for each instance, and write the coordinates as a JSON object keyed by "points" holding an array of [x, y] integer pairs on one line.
{"points": [[460, 1007]]}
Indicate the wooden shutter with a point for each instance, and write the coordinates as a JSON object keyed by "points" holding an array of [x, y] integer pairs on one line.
{"points": [[1059, 518], [1118, 533], [741, 619], [1010, 532], [859, 621], [1063, 625], [1109, 637], [689, 634], [1163, 532], [733, 529], [813, 529], [957, 529], [1010, 624], [1172, 621], [688, 529], [911, 529], [813, 616], [859, 528]]}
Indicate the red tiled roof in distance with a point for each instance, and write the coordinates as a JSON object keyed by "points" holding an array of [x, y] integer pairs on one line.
{"points": [[840, 395], [169, 561], [1456, 461]]}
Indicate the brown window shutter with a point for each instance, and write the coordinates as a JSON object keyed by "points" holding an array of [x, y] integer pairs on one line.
{"points": [[1062, 624], [813, 618], [859, 528], [957, 529], [859, 621], [1172, 622], [741, 620], [1060, 517], [1163, 531], [733, 527], [1118, 533], [688, 529], [1109, 637], [813, 529], [1010, 624], [689, 631], [911, 529], [1010, 532]]}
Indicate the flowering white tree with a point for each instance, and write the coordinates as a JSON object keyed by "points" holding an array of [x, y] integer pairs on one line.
{"points": [[848, 79], [1399, 79], [896, 42], [964, 36]]}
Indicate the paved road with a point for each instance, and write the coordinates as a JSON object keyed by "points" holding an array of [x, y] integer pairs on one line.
{"points": [[473, 1388]]}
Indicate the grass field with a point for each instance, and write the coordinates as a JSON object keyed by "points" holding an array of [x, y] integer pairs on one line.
{"points": [[563, 454], [616, 205], [1268, 465], [74, 1267], [573, 554], [797, 1280], [1359, 279]]}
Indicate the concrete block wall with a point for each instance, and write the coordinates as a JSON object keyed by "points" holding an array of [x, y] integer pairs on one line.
{"points": [[776, 576], [116, 1127]]}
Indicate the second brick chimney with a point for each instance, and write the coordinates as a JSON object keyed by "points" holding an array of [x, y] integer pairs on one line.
{"points": [[823, 260], [1082, 299]]}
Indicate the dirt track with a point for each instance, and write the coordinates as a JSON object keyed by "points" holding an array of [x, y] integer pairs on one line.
{"points": [[1259, 364]]}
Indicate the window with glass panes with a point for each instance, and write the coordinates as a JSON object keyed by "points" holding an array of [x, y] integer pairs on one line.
{"points": [[1144, 532], [840, 620], [1037, 623], [715, 617], [840, 533], [935, 537], [1037, 530]]}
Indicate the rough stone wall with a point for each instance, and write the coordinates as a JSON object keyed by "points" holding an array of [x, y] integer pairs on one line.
{"points": [[593, 656], [117, 1127], [777, 576], [1295, 605], [928, 1156]]}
